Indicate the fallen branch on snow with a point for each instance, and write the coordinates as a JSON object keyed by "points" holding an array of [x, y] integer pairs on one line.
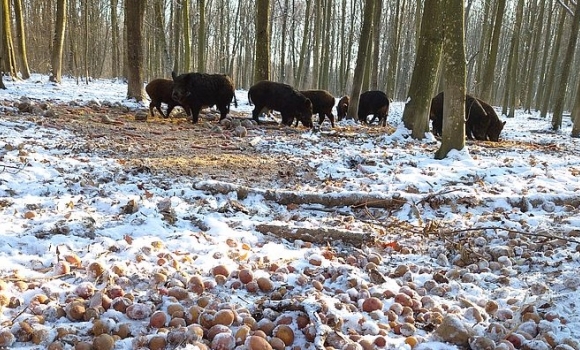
{"points": [[317, 235], [335, 199]]}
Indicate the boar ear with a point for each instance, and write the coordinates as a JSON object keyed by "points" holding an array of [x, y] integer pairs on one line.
{"points": [[308, 102], [173, 75]]}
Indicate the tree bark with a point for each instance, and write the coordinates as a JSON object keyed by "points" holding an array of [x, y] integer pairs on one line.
{"points": [[575, 115], [561, 89], [262, 43], [394, 42], [321, 235], [160, 41], [489, 73], [299, 77], [58, 43], [483, 47], [359, 70], [424, 78], [187, 55], [534, 58], [7, 42], [115, 54], [339, 199], [134, 15], [21, 38], [453, 136], [201, 42], [550, 76], [512, 82]]}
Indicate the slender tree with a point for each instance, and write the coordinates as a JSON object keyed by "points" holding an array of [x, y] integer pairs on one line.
{"points": [[359, 70], [553, 66], [453, 136], [116, 54], [7, 42], [575, 115], [394, 42], [160, 65], [484, 41], [299, 77], [134, 15], [561, 88], [534, 59], [512, 83], [58, 43], [187, 56], [323, 80], [489, 74], [374, 77], [424, 78], [262, 66], [201, 42], [21, 38]]}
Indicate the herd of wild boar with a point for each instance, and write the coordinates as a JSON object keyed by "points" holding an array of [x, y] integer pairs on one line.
{"points": [[194, 91]]}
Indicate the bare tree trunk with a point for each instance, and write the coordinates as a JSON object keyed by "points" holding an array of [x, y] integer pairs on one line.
{"points": [[342, 74], [134, 13], [299, 77], [548, 38], [160, 41], [316, 46], [177, 16], [483, 45], [283, 40], [512, 82], [534, 58], [201, 67], [394, 52], [424, 79], [575, 115], [453, 136], [262, 62], [115, 42], [365, 37], [489, 74], [326, 45], [187, 55], [86, 41], [549, 82], [7, 43], [561, 88], [374, 79], [237, 40], [21, 38], [60, 27]]}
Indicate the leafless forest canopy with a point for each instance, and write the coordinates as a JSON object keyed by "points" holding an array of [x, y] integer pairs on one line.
{"points": [[313, 43]]}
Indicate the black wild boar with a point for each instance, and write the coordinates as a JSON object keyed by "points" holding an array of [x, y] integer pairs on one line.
{"points": [[160, 90], [493, 128], [376, 103], [196, 90], [283, 98], [322, 103], [481, 121], [342, 107]]}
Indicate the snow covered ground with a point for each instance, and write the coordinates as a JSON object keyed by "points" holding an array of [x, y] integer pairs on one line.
{"points": [[483, 253]]}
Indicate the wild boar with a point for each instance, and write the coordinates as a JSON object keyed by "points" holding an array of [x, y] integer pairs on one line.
{"points": [[196, 90], [283, 98]]}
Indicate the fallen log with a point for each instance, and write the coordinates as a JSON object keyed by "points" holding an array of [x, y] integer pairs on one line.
{"points": [[284, 197], [317, 235]]}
